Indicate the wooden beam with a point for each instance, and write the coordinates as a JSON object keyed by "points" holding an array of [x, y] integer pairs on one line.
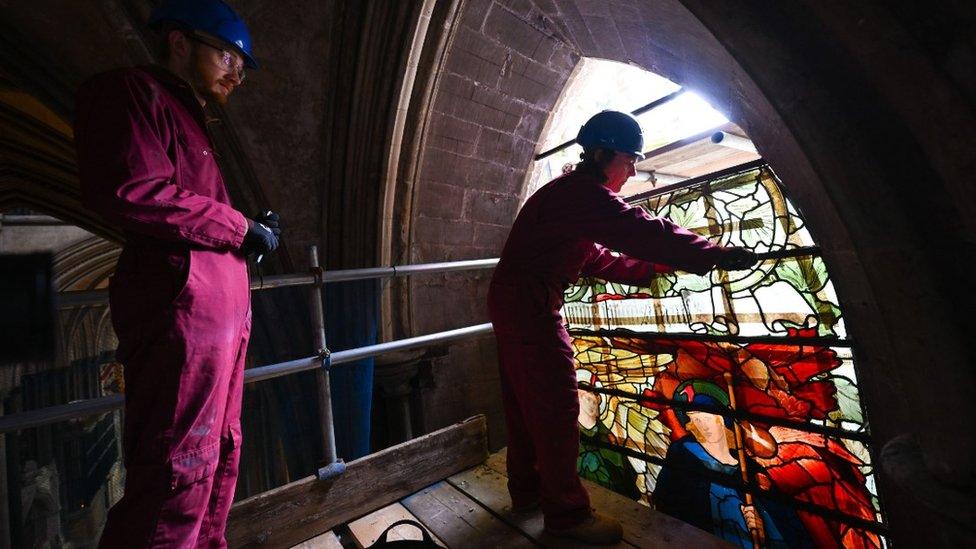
{"points": [[298, 511]]}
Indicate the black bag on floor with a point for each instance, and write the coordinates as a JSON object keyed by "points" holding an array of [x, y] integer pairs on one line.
{"points": [[426, 543]]}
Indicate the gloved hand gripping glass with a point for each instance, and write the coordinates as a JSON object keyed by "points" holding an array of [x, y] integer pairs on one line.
{"points": [[262, 235]]}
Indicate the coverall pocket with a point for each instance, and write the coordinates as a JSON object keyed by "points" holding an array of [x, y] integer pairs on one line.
{"points": [[148, 281], [184, 281], [234, 432], [195, 465]]}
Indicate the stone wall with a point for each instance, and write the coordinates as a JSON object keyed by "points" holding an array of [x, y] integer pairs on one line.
{"points": [[500, 77]]}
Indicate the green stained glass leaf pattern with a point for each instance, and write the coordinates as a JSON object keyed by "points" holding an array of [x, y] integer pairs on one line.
{"points": [[849, 405], [689, 215], [689, 282], [661, 285], [804, 274]]}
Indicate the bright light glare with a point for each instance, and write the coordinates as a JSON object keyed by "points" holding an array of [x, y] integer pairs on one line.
{"points": [[686, 115], [599, 85]]}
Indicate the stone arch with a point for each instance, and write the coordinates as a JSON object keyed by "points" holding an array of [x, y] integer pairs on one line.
{"points": [[843, 138]]}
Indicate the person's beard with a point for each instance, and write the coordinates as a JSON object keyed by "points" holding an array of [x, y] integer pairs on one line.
{"points": [[200, 70]]}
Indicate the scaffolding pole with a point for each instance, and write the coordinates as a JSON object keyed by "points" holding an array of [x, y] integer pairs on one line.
{"points": [[324, 360]]}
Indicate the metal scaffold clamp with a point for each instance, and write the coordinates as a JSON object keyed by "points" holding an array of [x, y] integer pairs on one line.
{"points": [[318, 275], [332, 470], [325, 355]]}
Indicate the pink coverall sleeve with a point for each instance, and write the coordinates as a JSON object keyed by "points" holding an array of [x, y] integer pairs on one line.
{"points": [[621, 268], [608, 221], [127, 176]]}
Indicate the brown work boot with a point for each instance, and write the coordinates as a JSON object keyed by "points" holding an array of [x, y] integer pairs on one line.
{"points": [[597, 529]]}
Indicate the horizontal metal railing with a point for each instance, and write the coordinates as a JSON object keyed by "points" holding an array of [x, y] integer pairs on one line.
{"points": [[262, 373], [62, 412], [97, 297], [82, 408]]}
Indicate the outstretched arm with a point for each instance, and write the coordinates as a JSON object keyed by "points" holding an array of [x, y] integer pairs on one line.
{"points": [[612, 223], [621, 268]]}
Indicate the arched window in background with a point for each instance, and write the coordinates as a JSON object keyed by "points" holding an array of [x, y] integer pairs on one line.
{"points": [[728, 400]]}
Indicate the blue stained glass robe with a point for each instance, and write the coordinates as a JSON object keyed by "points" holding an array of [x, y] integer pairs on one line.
{"points": [[689, 488]]}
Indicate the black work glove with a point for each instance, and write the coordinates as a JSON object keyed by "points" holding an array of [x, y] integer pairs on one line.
{"points": [[270, 220], [261, 238], [736, 259]]}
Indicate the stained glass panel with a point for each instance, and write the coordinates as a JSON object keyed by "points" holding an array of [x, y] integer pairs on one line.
{"points": [[729, 400], [777, 295]]}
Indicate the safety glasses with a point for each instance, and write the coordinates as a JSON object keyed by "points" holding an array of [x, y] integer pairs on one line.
{"points": [[227, 60]]}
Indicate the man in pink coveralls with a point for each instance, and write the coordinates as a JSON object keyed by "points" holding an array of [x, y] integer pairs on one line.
{"points": [[179, 299], [568, 229]]}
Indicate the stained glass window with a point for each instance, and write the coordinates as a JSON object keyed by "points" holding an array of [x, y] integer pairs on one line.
{"points": [[729, 400]]}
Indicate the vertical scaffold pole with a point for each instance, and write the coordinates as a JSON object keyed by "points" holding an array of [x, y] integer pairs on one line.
{"points": [[322, 376]]}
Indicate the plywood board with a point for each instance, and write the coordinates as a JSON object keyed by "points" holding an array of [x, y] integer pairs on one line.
{"points": [[303, 509]]}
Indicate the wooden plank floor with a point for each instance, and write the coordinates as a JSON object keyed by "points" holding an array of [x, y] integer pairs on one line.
{"points": [[327, 540], [367, 530], [472, 509]]}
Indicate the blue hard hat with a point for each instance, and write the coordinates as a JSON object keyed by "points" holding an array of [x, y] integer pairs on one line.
{"points": [[213, 17], [614, 130]]}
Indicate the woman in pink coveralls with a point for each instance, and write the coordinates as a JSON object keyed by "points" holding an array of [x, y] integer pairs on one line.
{"points": [[568, 229]]}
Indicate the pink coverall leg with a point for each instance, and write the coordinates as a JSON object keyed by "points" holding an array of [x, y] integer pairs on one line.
{"points": [[225, 476], [524, 482], [541, 414], [539, 393]]}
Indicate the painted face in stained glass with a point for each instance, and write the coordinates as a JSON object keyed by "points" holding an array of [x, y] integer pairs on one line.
{"points": [[709, 427]]}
